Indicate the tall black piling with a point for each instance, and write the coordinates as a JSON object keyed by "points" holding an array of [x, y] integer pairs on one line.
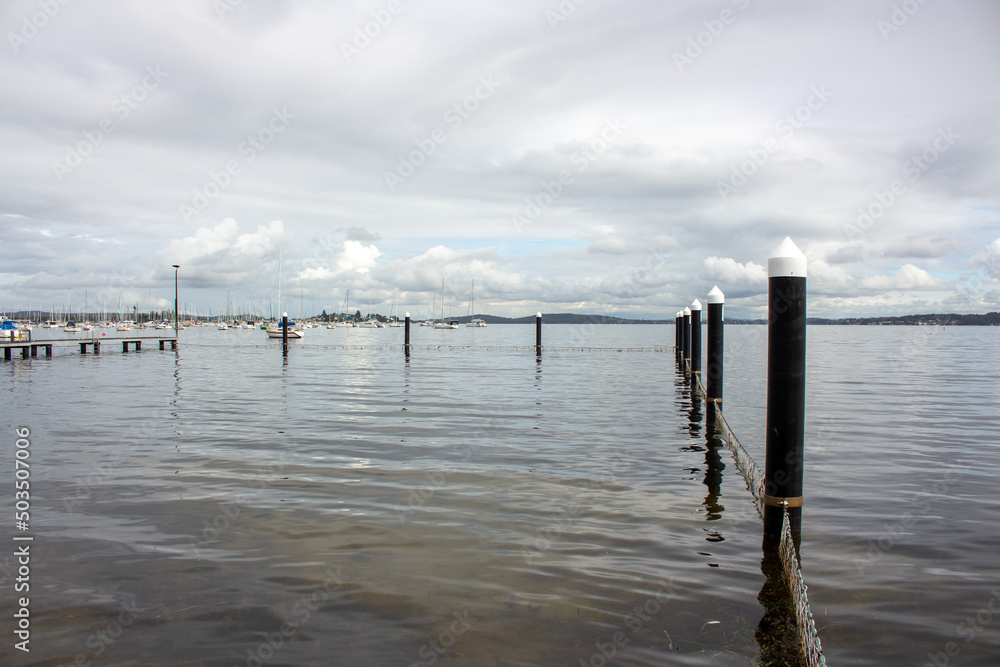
{"points": [[786, 388], [715, 355], [284, 334], [686, 335], [696, 337], [538, 334], [406, 335], [678, 336]]}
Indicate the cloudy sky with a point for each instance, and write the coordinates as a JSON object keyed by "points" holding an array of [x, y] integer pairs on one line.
{"points": [[569, 155]]}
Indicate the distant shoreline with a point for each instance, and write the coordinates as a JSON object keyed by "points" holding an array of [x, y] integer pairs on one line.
{"points": [[944, 319], [948, 319]]}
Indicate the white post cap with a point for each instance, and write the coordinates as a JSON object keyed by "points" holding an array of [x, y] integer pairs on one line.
{"points": [[786, 261], [407, 315], [687, 311], [538, 314], [680, 313], [716, 295], [284, 314], [696, 305]]}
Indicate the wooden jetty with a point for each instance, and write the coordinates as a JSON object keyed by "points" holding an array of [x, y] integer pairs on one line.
{"points": [[30, 347]]}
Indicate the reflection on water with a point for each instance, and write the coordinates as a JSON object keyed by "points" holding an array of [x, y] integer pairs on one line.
{"points": [[776, 633], [220, 505], [225, 505], [714, 466]]}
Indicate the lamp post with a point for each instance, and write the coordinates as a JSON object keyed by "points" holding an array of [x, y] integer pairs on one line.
{"points": [[176, 329]]}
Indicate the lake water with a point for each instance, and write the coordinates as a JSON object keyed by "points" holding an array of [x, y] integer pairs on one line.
{"points": [[222, 505]]}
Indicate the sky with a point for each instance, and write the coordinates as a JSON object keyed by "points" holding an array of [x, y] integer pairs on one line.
{"points": [[583, 156]]}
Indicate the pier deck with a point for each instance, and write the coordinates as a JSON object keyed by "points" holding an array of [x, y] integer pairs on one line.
{"points": [[30, 347]]}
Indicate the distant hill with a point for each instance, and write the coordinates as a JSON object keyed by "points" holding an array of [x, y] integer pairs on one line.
{"points": [[943, 319], [948, 319], [558, 318]]}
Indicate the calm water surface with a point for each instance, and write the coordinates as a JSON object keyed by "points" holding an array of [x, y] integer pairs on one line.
{"points": [[219, 505]]}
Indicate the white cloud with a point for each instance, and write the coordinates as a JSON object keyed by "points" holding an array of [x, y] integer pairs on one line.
{"points": [[317, 273], [990, 259], [357, 257], [613, 245], [606, 159], [826, 278], [725, 270], [908, 277], [224, 243]]}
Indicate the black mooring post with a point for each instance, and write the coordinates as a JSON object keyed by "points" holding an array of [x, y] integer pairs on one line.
{"points": [[284, 333], [406, 335], [715, 355], [538, 334], [686, 336], [696, 337], [786, 388], [678, 320]]}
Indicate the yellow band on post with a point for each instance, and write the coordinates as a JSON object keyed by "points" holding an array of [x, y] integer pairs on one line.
{"points": [[776, 501]]}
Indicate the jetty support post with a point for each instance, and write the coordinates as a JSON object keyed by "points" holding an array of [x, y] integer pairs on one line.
{"points": [[538, 334], [786, 389], [177, 328], [406, 335], [715, 355], [284, 334], [695, 337], [686, 333], [678, 320]]}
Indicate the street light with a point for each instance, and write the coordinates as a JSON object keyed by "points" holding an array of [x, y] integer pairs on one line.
{"points": [[176, 329]]}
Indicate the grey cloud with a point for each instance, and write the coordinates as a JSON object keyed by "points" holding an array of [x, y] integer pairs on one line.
{"points": [[559, 84]]}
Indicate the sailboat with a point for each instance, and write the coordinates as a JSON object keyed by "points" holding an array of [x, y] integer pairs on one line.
{"points": [[393, 318], [122, 325], [331, 322], [345, 320], [368, 322], [474, 322], [87, 326], [442, 324], [71, 326], [429, 322], [276, 330], [221, 324]]}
